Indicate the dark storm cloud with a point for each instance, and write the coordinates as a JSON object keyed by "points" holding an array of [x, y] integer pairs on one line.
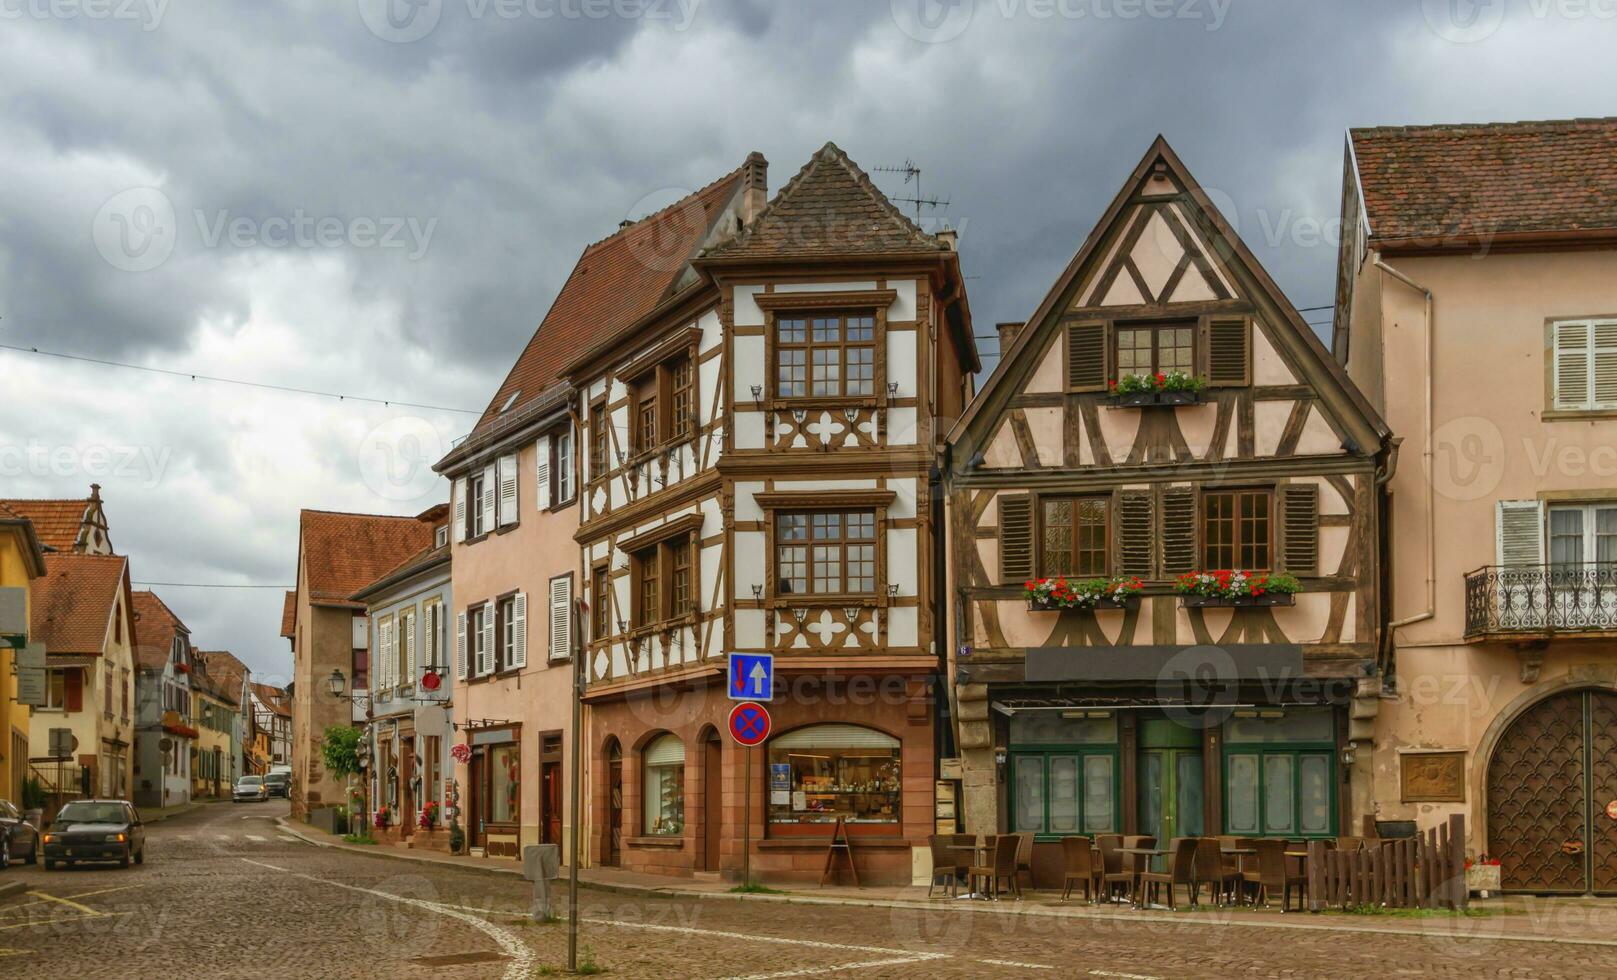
{"points": [[514, 132]]}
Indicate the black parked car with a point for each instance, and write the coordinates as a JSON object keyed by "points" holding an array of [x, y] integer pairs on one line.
{"points": [[279, 784], [95, 830], [19, 841]]}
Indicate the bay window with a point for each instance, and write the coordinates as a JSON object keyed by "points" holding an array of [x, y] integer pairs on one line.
{"points": [[825, 355], [826, 552]]}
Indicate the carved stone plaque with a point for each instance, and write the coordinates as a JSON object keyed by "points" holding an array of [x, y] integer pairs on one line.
{"points": [[1432, 777]]}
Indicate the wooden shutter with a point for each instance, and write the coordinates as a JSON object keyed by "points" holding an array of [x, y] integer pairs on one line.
{"points": [[1135, 533], [519, 642], [72, 689], [486, 656], [1229, 351], [460, 508], [409, 648], [1520, 532], [1605, 363], [541, 472], [491, 484], [508, 490], [1178, 531], [1572, 364], [1299, 528], [460, 646], [561, 616], [1015, 538], [1086, 357]]}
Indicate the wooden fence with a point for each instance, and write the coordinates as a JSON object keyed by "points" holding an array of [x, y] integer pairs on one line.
{"points": [[1426, 871]]}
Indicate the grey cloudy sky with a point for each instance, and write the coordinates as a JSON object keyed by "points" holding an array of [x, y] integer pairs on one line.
{"points": [[380, 197]]}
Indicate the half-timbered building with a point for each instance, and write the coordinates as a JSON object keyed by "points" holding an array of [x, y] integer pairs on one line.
{"points": [[757, 466], [1163, 522]]}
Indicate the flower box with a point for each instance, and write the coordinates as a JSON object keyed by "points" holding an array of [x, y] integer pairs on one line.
{"points": [[1143, 399], [1483, 879], [1049, 605], [1267, 599]]}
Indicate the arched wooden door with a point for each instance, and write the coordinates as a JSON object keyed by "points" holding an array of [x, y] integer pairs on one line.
{"points": [[612, 848], [1552, 790]]}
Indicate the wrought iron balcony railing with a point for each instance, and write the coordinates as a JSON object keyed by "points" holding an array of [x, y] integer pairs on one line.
{"points": [[1541, 599]]}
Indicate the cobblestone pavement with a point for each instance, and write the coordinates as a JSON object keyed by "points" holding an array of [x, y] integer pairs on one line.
{"points": [[224, 894]]}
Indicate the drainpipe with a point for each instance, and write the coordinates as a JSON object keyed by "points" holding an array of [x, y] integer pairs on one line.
{"points": [[1427, 458]]}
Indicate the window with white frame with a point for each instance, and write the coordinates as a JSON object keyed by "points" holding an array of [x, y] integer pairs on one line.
{"points": [[1585, 364]]}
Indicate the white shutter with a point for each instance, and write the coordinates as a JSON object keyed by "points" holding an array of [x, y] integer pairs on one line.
{"points": [[519, 629], [460, 646], [460, 508], [1521, 532], [384, 654], [564, 465], [485, 659], [541, 472], [1572, 348], [491, 484], [1605, 363], [561, 616], [508, 490]]}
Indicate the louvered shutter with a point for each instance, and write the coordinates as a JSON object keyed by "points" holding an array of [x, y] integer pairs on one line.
{"points": [[486, 655], [384, 654], [460, 508], [409, 649], [1015, 538], [1178, 531], [519, 630], [508, 490], [460, 646], [1605, 363], [1229, 351], [1299, 528], [541, 472], [1572, 364], [1520, 532], [561, 617], [491, 485], [1086, 357], [1135, 531]]}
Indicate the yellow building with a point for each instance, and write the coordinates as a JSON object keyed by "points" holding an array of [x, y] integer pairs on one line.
{"points": [[21, 561]]}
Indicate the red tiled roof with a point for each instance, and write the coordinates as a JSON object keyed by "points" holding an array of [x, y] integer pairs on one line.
{"points": [[829, 208], [274, 698], [155, 627], [221, 674], [71, 606], [617, 281], [420, 559], [289, 615], [342, 553], [56, 522], [1471, 182]]}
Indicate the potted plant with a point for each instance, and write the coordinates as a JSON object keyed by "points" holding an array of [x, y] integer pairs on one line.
{"points": [[1482, 875], [381, 819], [1060, 592], [428, 818], [1234, 587], [1162, 388]]}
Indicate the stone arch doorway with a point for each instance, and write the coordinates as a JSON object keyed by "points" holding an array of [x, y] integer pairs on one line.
{"points": [[1551, 793]]}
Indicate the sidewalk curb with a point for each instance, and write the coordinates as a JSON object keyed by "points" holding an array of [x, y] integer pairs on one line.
{"points": [[973, 908]]}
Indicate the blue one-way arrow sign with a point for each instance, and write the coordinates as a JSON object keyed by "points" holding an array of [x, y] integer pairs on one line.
{"points": [[752, 677]]}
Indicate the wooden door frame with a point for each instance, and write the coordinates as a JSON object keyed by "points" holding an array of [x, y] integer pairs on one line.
{"points": [[712, 789]]}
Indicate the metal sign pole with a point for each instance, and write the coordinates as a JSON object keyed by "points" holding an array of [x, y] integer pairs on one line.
{"points": [[746, 817], [577, 789]]}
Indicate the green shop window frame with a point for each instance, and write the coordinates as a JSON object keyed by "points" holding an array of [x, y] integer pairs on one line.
{"points": [[1295, 753], [1040, 757]]}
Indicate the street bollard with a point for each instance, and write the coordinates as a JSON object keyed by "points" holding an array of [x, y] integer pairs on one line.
{"points": [[541, 864]]}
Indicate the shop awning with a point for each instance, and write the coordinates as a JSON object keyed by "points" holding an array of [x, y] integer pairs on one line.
{"points": [[1168, 663]]}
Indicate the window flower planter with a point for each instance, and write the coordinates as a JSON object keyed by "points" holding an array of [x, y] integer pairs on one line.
{"points": [[1058, 593], [1216, 601], [1050, 605], [1144, 399], [1171, 388]]}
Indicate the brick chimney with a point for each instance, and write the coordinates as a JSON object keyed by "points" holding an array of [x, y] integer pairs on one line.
{"points": [[754, 187], [950, 239], [1007, 334]]}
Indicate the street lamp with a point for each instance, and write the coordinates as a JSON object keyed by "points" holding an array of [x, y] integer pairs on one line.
{"points": [[336, 685]]}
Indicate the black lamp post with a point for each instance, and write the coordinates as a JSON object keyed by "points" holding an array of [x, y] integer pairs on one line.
{"points": [[337, 685]]}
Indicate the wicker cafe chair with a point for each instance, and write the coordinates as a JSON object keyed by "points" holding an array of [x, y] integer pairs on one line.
{"points": [[1210, 871], [1024, 854], [1131, 866], [1111, 869], [945, 864], [1273, 873], [1079, 867], [1181, 871], [1001, 870]]}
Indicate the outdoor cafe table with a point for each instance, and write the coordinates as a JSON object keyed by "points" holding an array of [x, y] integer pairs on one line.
{"points": [[981, 854], [1148, 852]]}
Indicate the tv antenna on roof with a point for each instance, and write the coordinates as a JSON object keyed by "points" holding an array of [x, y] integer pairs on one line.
{"points": [[912, 172]]}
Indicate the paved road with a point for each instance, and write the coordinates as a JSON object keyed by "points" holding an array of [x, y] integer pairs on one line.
{"points": [[222, 894]]}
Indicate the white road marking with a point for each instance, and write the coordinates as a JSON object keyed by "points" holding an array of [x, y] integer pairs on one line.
{"points": [[520, 964], [223, 838], [1018, 965], [255, 837], [839, 968], [1124, 976]]}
